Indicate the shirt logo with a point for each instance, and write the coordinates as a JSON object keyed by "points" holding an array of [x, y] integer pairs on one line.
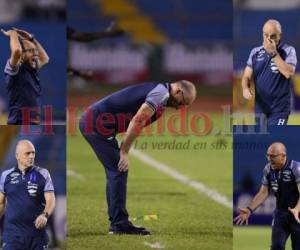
{"points": [[261, 55], [286, 176], [32, 188], [274, 186], [274, 68], [14, 174]]}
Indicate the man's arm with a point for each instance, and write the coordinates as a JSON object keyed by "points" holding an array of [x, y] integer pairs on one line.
{"points": [[134, 129], [296, 210], [245, 213], [43, 56], [15, 47], [284, 68], [2, 204], [42, 219], [246, 79]]}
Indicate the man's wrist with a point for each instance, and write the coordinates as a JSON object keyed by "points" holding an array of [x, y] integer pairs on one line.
{"points": [[46, 214], [273, 54], [250, 209]]}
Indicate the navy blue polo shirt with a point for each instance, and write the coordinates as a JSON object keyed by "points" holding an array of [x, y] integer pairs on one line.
{"points": [[24, 91], [25, 200], [122, 105], [283, 183], [272, 89]]}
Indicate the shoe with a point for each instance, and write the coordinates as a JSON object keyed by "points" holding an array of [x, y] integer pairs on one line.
{"points": [[128, 229]]}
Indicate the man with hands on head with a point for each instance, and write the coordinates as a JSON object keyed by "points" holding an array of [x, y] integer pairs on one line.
{"points": [[282, 178], [271, 66], [21, 77], [26, 200]]}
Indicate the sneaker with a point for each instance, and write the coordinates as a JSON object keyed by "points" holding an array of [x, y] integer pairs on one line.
{"points": [[128, 229]]}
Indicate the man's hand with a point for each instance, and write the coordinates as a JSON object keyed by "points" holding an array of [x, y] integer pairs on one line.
{"points": [[40, 221], [7, 32], [123, 164], [247, 94], [242, 217], [295, 212], [270, 46], [24, 34]]}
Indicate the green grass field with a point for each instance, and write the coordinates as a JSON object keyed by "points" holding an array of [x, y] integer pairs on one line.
{"points": [[187, 219], [253, 238]]}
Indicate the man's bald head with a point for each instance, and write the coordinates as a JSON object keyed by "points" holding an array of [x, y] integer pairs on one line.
{"points": [[272, 31], [189, 91], [25, 154], [183, 93], [276, 155]]}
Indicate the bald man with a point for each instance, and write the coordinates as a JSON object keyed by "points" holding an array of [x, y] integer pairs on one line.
{"points": [[128, 110], [27, 199], [282, 178], [22, 79], [271, 66]]}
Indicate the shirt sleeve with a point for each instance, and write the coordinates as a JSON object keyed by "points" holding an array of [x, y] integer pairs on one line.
{"points": [[296, 171], [10, 69], [158, 97], [265, 180], [2, 182], [48, 184], [250, 59], [291, 57]]}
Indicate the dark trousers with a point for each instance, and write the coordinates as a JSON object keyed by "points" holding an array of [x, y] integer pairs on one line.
{"points": [[272, 119], [285, 225], [15, 242], [107, 151]]}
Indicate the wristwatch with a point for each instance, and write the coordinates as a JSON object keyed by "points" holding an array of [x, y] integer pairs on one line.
{"points": [[273, 54], [45, 214]]}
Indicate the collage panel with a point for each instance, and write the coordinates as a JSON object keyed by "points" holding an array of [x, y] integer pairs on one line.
{"points": [[266, 73], [33, 62], [266, 189], [175, 183], [33, 187]]}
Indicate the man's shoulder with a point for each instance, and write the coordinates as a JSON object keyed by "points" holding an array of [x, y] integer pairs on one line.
{"points": [[42, 171], [294, 165], [287, 48], [267, 168], [6, 172], [256, 50]]}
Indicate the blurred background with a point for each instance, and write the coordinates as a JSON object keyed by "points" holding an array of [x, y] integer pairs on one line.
{"points": [[164, 41], [50, 154], [249, 17], [46, 20], [249, 160]]}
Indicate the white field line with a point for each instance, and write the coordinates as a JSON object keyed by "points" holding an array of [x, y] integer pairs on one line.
{"points": [[74, 174], [210, 193], [155, 245]]}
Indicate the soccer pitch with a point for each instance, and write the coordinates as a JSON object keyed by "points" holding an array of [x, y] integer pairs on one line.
{"points": [[253, 238], [187, 219]]}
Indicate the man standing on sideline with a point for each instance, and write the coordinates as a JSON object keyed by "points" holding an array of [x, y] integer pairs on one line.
{"points": [[271, 66], [27, 200], [281, 177], [128, 110], [21, 77]]}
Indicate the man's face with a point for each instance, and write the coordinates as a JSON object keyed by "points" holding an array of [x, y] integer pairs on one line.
{"points": [[270, 32], [276, 159], [177, 100], [30, 54], [25, 155]]}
